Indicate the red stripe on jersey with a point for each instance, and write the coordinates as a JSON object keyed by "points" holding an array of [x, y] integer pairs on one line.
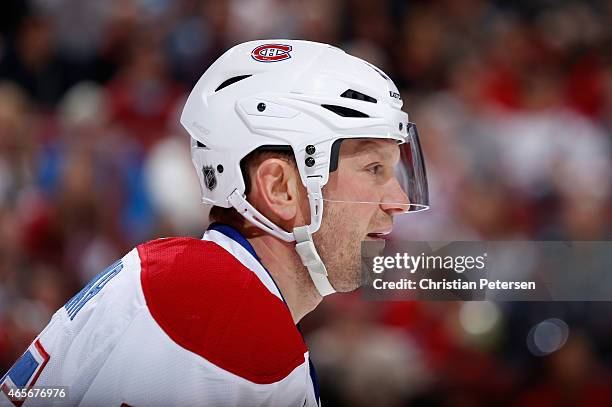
{"points": [[46, 358], [211, 304]]}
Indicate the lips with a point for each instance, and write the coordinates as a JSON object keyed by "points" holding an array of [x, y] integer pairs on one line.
{"points": [[379, 235], [380, 232]]}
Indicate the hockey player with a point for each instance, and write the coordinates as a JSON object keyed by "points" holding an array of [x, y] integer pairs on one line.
{"points": [[304, 152]]}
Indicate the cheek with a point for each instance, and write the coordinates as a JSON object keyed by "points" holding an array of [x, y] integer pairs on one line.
{"points": [[352, 221], [349, 185], [365, 213]]}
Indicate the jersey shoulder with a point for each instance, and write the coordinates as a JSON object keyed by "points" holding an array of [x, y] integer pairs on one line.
{"points": [[209, 303]]}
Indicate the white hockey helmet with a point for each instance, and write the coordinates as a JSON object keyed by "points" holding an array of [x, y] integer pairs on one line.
{"points": [[301, 95]]}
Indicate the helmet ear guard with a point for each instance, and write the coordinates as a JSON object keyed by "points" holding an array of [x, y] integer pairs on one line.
{"points": [[293, 94]]}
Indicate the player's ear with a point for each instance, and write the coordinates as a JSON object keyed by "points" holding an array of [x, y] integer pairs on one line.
{"points": [[276, 190]]}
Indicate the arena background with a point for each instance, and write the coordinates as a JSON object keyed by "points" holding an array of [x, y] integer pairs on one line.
{"points": [[513, 100]]}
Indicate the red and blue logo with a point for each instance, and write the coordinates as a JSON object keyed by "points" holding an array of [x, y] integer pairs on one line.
{"points": [[271, 52]]}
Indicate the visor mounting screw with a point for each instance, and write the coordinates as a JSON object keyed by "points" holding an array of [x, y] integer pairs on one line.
{"points": [[219, 168], [261, 106], [310, 149], [401, 126], [310, 162]]}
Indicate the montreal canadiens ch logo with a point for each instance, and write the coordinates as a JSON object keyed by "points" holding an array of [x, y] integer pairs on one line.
{"points": [[271, 52]]}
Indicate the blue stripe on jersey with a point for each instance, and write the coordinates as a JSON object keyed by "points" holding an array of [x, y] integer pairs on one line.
{"points": [[315, 381], [235, 236]]}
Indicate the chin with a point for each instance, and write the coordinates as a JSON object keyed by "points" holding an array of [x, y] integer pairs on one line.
{"points": [[350, 279], [347, 288]]}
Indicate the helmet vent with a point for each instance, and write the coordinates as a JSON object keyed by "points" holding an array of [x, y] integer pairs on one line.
{"points": [[345, 111], [353, 94], [231, 81]]}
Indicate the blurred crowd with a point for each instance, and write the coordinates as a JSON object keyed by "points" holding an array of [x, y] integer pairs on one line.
{"points": [[513, 100]]}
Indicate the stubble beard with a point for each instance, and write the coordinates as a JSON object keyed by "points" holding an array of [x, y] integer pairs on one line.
{"points": [[338, 243]]}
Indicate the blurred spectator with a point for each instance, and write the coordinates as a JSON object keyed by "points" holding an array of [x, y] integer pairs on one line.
{"points": [[142, 95], [363, 364], [31, 61]]}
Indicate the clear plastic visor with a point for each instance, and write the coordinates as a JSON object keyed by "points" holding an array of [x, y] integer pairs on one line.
{"points": [[380, 171]]}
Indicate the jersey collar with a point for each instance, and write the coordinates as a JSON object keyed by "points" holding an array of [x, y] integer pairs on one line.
{"points": [[233, 234], [237, 237]]}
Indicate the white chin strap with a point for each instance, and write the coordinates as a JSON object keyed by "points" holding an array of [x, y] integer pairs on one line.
{"points": [[310, 258], [302, 235]]}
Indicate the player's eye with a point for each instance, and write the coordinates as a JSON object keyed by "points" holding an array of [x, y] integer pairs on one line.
{"points": [[375, 169]]}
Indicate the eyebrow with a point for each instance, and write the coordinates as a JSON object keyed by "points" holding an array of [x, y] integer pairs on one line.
{"points": [[364, 146]]}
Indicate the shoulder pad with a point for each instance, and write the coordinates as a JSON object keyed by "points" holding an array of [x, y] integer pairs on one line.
{"points": [[211, 304]]}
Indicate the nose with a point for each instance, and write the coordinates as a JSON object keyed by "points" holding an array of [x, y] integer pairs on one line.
{"points": [[395, 200]]}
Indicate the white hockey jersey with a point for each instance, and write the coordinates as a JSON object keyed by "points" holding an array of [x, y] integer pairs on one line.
{"points": [[175, 322]]}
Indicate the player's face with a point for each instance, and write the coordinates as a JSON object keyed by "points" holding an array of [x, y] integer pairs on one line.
{"points": [[365, 174]]}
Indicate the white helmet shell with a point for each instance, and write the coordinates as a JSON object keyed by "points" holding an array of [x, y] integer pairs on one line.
{"points": [[280, 102]]}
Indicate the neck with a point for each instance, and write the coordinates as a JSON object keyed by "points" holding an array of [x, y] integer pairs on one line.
{"points": [[285, 266]]}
